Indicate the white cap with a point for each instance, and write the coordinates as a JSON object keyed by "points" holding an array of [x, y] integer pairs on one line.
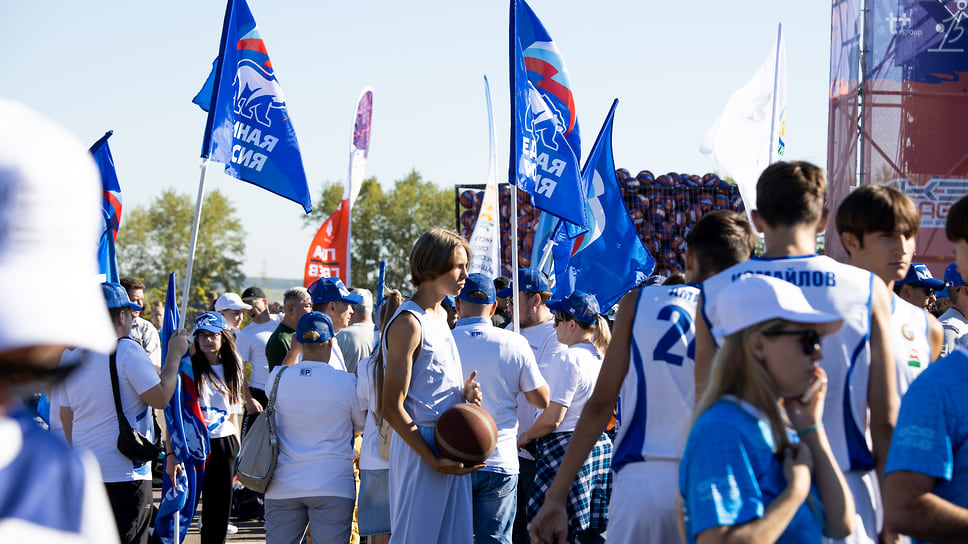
{"points": [[50, 225], [230, 301], [754, 298]]}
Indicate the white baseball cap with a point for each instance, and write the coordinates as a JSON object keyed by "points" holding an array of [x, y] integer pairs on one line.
{"points": [[50, 225], [230, 301], [755, 298]]}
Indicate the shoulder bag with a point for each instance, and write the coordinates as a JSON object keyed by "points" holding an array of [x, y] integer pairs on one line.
{"points": [[131, 443], [260, 448]]}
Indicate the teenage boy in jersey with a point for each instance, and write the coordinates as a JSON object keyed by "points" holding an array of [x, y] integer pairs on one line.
{"points": [[648, 364], [859, 362], [506, 368], [878, 226], [926, 487]]}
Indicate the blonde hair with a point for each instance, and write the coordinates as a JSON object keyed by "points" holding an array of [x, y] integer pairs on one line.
{"points": [[602, 335], [391, 303], [735, 371]]}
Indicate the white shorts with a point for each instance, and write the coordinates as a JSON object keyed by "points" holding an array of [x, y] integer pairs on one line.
{"points": [[643, 506], [869, 519]]}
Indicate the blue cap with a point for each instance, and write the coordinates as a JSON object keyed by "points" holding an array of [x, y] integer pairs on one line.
{"points": [[580, 305], [332, 289], [317, 322], [116, 296], [449, 302], [952, 277], [212, 322], [919, 274], [656, 279], [530, 279], [942, 293], [478, 289]]}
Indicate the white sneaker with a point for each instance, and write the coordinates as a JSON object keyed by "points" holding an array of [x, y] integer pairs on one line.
{"points": [[231, 529]]}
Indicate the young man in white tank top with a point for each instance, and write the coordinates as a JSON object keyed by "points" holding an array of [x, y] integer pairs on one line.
{"points": [[878, 226], [862, 381]]}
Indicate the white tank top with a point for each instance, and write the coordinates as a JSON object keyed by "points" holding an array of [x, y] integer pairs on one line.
{"points": [[909, 335], [846, 291], [660, 376]]}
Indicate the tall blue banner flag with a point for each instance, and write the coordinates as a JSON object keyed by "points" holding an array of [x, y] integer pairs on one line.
{"points": [[546, 145], [248, 128], [110, 207], [608, 260], [188, 436]]}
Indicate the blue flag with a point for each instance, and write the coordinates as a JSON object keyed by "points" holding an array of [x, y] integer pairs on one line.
{"points": [[188, 436], [545, 141], [248, 128], [609, 259], [110, 208]]}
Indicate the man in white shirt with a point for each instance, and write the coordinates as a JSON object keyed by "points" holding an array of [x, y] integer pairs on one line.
{"points": [[251, 343], [506, 368], [538, 328], [332, 298], [953, 321], [90, 418], [142, 331], [356, 341]]}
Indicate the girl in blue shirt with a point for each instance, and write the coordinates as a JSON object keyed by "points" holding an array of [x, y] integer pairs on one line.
{"points": [[757, 466]]}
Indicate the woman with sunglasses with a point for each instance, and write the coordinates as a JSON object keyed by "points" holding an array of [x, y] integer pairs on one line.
{"points": [[757, 466], [572, 378]]}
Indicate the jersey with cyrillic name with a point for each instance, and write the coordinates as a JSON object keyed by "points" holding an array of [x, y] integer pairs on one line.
{"points": [[845, 291], [660, 376]]}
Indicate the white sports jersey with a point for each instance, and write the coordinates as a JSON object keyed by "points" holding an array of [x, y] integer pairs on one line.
{"points": [[661, 375], [842, 290], [909, 339]]}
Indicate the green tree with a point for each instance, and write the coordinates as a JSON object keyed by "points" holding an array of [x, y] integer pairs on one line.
{"points": [[385, 224], [154, 241]]}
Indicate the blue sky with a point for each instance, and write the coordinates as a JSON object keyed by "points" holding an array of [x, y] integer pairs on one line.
{"points": [[134, 67]]}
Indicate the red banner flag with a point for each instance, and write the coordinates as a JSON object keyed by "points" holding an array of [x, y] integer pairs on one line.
{"points": [[328, 252]]}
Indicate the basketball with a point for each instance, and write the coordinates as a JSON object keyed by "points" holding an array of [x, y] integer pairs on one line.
{"points": [[466, 433]]}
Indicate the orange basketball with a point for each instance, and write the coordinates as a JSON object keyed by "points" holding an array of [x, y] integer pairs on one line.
{"points": [[466, 433]]}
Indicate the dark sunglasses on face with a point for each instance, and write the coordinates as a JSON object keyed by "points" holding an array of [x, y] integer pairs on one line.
{"points": [[809, 338]]}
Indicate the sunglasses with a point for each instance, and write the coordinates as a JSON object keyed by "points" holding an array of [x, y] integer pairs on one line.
{"points": [[809, 338], [562, 316]]}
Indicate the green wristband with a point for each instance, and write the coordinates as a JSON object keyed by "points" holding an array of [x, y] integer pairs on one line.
{"points": [[806, 431]]}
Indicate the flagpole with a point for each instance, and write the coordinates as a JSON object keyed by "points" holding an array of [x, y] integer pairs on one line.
{"points": [[191, 247], [515, 283], [776, 79]]}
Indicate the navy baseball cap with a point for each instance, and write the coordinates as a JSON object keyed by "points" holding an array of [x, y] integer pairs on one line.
{"points": [[580, 305], [952, 277], [330, 290], [117, 297], [449, 302], [478, 289], [317, 322], [919, 274], [212, 322], [530, 280]]}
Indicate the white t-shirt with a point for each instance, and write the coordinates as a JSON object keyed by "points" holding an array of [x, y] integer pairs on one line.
{"points": [[545, 345], [370, 448], [88, 393], [70, 357], [251, 343], [505, 368], [216, 408], [572, 381], [955, 326], [355, 344], [317, 414]]}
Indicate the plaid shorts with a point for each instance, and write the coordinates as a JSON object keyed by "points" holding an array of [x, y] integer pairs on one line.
{"points": [[588, 497]]}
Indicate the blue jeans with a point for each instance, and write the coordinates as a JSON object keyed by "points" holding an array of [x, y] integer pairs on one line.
{"points": [[495, 502]]}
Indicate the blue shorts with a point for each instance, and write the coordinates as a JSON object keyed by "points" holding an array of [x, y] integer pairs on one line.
{"points": [[373, 505]]}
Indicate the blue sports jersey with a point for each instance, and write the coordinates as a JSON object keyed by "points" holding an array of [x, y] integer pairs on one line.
{"points": [[932, 428], [661, 375], [729, 474]]}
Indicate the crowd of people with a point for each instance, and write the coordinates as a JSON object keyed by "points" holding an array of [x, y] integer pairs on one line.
{"points": [[782, 397]]}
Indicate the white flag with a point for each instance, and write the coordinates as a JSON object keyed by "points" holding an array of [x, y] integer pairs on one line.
{"points": [[485, 241], [748, 135]]}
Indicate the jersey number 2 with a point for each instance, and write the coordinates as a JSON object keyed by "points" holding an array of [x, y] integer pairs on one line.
{"points": [[680, 329]]}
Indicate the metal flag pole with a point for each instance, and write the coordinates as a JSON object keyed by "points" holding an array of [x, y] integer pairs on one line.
{"points": [[515, 284], [191, 248], [776, 78]]}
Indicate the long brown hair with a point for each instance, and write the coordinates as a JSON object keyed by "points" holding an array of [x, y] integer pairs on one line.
{"points": [[391, 303], [231, 367]]}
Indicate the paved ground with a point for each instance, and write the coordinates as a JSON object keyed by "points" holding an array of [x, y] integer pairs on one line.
{"points": [[249, 531]]}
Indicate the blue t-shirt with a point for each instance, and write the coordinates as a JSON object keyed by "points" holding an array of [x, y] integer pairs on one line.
{"points": [[932, 428], [729, 474]]}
